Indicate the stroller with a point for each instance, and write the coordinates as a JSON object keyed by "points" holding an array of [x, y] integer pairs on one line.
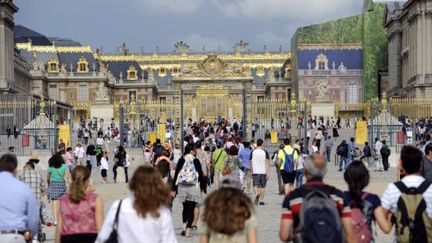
{"points": [[46, 219]]}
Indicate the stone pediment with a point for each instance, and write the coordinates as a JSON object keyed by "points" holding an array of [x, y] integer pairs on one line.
{"points": [[213, 67]]}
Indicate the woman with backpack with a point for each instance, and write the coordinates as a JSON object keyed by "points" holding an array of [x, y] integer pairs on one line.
{"points": [[187, 184], [232, 163], [365, 207]]}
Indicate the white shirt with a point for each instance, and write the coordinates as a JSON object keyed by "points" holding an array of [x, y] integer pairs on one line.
{"points": [[391, 194], [134, 228], [259, 157], [99, 141], [378, 146], [79, 152], [104, 163]]}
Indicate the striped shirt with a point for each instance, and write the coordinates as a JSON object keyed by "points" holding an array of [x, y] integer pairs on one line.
{"points": [[292, 203]]}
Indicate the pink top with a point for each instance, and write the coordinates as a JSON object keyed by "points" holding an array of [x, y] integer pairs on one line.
{"points": [[79, 218]]}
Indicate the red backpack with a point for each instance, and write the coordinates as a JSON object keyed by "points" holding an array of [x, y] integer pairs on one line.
{"points": [[359, 217]]}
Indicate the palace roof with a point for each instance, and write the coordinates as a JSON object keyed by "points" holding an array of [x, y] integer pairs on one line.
{"points": [[351, 58], [23, 34]]}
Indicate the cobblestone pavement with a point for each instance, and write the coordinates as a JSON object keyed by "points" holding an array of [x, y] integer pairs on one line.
{"points": [[268, 216]]}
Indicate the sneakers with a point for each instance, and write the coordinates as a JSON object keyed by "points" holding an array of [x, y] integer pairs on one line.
{"points": [[256, 199], [261, 203]]}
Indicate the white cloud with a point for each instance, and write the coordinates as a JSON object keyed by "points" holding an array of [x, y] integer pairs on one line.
{"points": [[197, 42], [292, 10], [172, 6]]}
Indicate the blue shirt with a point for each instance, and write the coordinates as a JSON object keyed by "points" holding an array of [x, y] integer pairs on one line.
{"points": [[18, 209], [245, 155]]}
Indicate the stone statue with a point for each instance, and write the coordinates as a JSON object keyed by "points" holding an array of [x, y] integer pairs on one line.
{"points": [[150, 76], [322, 91], [94, 67], [102, 92]]}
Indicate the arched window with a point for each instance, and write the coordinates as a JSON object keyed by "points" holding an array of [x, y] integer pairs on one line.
{"points": [[162, 72], [82, 65], [321, 63], [132, 73]]}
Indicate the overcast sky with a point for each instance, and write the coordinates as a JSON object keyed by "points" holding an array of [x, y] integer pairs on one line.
{"points": [[150, 23]]}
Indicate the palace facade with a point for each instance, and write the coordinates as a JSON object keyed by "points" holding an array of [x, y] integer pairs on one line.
{"points": [[69, 72], [409, 27]]}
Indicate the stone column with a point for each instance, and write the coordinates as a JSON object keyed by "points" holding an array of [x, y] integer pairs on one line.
{"points": [[7, 10]]}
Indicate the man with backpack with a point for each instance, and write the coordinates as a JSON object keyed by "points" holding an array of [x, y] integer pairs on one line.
{"points": [[288, 158], [411, 194], [342, 151], [316, 212]]}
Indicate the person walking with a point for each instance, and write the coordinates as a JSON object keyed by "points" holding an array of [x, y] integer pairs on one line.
{"points": [[342, 151], [329, 146], [377, 155], [91, 154], [104, 167], [81, 212], [79, 154], [188, 180], [232, 163], [120, 159], [288, 157], [260, 161], [299, 167], [236, 224], [426, 166], [367, 154], [218, 159], [276, 162], [365, 207], [385, 154], [245, 155], [143, 216], [69, 159], [19, 220], [57, 177], [351, 150], [334, 218], [411, 188]]}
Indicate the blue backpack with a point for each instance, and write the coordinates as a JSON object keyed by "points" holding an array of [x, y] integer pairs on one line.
{"points": [[289, 161], [319, 217]]}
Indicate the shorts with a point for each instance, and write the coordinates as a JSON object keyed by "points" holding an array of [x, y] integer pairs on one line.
{"points": [[259, 180], [288, 177], [103, 172]]}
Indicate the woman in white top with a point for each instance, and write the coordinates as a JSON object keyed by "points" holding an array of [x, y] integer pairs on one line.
{"points": [[144, 216], [104, 167]]}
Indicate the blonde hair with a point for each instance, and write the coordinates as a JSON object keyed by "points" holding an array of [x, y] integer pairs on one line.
{"points": [[78, 186]]}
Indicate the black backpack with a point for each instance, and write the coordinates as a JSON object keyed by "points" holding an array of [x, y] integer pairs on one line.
{"points": [[385, 152], [342, 150], [319, 217], [413, 225]]}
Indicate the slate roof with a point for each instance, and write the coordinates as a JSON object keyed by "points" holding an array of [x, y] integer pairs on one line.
{"points": [[23, 34], [64, 42], [72, 58], [116, 67], [351, 58], [392, 7]]}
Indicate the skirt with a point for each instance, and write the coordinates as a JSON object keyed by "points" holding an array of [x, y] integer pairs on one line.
{"points": [[189, 193], [56, 190], [79, 238]]}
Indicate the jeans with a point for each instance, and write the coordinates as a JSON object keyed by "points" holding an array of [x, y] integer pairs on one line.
{"points": [[328, 150], [343, 162], [92, 159], [299, 178]]}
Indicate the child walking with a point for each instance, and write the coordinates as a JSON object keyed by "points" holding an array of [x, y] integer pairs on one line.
{"points": [[104, 167]]}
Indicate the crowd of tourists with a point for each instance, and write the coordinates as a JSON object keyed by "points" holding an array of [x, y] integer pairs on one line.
{"points": [[220, 181]]}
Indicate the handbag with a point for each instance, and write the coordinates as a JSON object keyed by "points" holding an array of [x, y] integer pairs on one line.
{"points": [[113, 238], [226, 170]]}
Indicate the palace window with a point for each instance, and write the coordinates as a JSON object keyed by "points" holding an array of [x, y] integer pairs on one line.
{"points": [[162, 72], [132, 73], [175, 71], [352, 94], [82, 65], [53, 66], [82, 94], [321, 62]]}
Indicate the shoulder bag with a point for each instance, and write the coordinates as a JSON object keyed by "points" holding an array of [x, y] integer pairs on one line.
{"points": [[113, 238]]}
